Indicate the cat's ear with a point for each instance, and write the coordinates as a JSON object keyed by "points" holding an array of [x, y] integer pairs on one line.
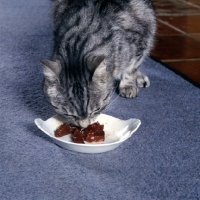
{"points": [[93, 62], [52, 69], [100, 73], [101, 69], [97, 66]]}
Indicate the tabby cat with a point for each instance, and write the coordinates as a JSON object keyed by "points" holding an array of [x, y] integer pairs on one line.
{"points": [[96, 43]]}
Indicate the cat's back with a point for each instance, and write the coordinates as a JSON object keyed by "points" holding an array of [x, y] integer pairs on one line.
{"points": [[88, 25], [101, 9]]}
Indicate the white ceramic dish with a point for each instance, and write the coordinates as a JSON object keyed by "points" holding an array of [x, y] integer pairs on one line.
{"points": [[116, 132]]}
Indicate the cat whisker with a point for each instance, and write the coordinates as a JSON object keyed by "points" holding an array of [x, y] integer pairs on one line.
{"points": [[114, 89], [111, 102]]}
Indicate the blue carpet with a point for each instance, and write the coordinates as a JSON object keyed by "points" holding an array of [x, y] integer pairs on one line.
{"points": [[160, 161]]}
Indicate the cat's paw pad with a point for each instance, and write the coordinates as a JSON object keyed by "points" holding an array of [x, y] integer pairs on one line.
{"points": [[128, 91], [142, 81]]}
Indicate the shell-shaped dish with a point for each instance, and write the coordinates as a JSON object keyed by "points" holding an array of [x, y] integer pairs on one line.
{"points": [[116, 132]]}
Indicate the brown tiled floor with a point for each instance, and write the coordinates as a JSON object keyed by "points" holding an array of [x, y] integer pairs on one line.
{"points": [[178, 36]]}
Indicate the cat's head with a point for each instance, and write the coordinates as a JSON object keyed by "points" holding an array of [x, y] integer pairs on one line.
{"points": [[78, 96]]}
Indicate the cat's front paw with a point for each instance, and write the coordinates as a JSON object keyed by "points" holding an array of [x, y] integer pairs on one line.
{"points": [[129, 91], [142, 81]]}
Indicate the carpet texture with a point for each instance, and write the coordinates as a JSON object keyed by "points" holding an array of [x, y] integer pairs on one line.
{"points": [[160, 161]]}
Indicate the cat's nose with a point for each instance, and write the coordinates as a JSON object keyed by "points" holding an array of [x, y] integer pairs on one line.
{"points": [[84, 123]]}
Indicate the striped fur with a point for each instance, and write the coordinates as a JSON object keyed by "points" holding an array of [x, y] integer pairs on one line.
{"points": [[96, 43]]}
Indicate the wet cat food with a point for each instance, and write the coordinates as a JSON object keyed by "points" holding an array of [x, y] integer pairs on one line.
{"points": [[78, 136], [93, 133], [64, 129]]}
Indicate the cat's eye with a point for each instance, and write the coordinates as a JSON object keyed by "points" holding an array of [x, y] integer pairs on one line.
{"points": [[66, 115], [98, 109], [106, 97], [54, 107]]}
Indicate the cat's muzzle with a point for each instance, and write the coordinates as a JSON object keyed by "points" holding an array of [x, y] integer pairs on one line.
{"points": [[85, 122]]}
